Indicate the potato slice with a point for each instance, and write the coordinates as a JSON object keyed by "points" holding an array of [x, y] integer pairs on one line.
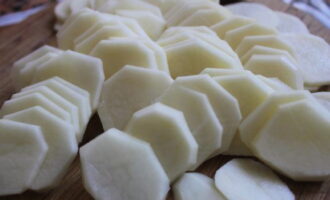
{"points": [[62, 10], [244, 178], [195, 186], [23, 149], [161, 58], [275, 83], [227, 112], [62, 145], [314, 65], [214, 72], [171, 31], [200, 116], [82, 70], [301, 128], [167, 131], [58, 100], [323, 98], [77, 5], [134, 89], [257, 11], [229, 24], [290, 24], [238, 148], [132, 172], [235, 36], [276, 66]]}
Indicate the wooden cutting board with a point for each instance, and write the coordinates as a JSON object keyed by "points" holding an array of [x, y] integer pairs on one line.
{"points": [[19, 40]]}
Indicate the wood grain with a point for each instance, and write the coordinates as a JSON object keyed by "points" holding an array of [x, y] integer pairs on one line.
{"points": [[19, 40]]}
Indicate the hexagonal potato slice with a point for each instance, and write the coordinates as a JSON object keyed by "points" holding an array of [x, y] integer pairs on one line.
{"points": [[228, 111], [313, 64], [273, 41], [244, 178], [111, 171], [261, 13], [71, 93], [62, 145], [127, 91], [276, 66], [167, 131], [229, 24], [235, 36], [201, 118], [171, 31], [195, 186], [23, 149], [214, 72], [81, 70], [290, 24], [118, 52], [297, 127], [58, 100], [275, 83], [161, 58], [323, 98]]}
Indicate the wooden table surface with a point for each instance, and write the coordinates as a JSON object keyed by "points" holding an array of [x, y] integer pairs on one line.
{"points": [[19, 40]]}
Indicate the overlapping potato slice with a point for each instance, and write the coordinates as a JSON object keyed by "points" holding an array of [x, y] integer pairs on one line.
{"points": [[116, 165], [127, 91], [23, 149], [214, 72], [167, 131], [62, 10], [200, 117], [61, 141], [275, 83], [195, 186], [323, 98], [276, 66], [244, 178], [231, 23], [290, 24]]}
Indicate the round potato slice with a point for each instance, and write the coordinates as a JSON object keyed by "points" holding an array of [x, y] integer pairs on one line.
{"points": [[23, 149], [116, 165], [290, 24], [62, 145], [195, 186], [167, 131], [244, 178]]}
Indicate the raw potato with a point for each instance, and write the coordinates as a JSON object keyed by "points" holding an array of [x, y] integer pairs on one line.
{"points": [[62, 145], [238, 148], [201, 118], [276, 66], [62, 10], [228, 111], [160, 55], [22, 152], [118, 166], [118, 52], [195, 186], [248, 179], [127, 91], [170, 31], [275, 83], [303, 129], [82, 70], [167, 131], [290, 24], [257, 11], [312, 54], [323, 98], [229, 24], [214, 72]]}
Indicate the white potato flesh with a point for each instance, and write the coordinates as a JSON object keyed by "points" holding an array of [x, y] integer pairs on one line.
{"points": [[77, 5], [171, 31], [81, 70], [167, 131], [192, 56], [127, 91], [303, 129], [238, 148], [61, 141], [113, 172], [275, 83], [235, 36], [58, 100], [230, 23], [261, 13], [62, 10], [323, 98], [23, 149], [214, 72], [195, 186], [253, 124], [201, 119], [312, 54], [245, 178], [228, 111], [118, 52], [290, 24], [152, 24], [276, 66], [263, 50], [30, 100], [161, 58], [73, 94]]}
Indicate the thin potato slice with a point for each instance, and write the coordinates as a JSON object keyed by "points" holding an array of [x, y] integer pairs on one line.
{"points": [[116, 165], [214, 72], [323, 98], [62, 10], [161, 58], [275, 83], [238, 148], [229, 24], [290, 24]]}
